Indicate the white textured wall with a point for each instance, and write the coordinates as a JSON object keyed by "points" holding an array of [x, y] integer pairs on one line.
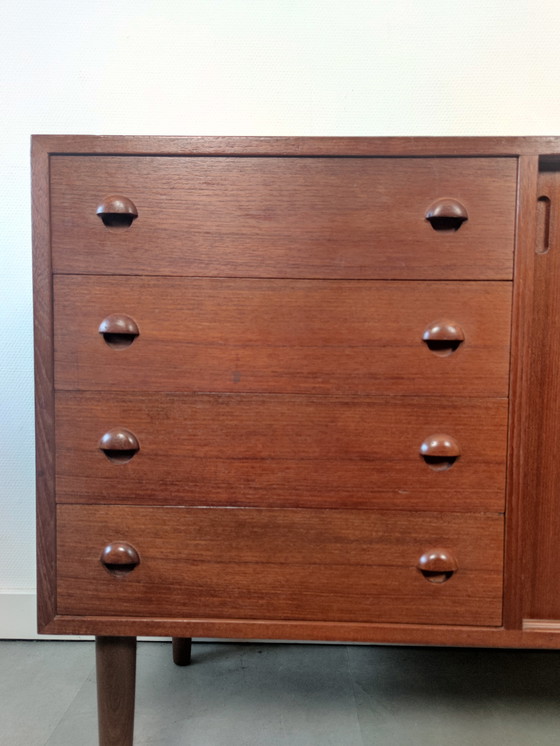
{"points": [[247, 67]]}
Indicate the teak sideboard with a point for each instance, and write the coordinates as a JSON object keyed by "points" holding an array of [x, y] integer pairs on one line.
{"points": [[296, 388]]}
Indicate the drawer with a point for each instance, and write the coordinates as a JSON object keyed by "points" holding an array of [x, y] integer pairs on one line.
{"points": [[249, 449], [330, 565], [284, 217], [281, 336]]}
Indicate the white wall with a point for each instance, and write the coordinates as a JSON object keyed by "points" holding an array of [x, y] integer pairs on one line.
{"points": [[248, 67]]}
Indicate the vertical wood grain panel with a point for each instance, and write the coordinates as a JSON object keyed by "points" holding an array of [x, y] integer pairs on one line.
{"points": [[521, 406], [542, 430], [44, 386]]}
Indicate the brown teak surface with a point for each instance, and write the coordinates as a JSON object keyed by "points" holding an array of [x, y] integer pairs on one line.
{"points": [[281, 287], [231, 449], [281, 336], [330, 565], [543, 436], [277, 217], [116, 678]]}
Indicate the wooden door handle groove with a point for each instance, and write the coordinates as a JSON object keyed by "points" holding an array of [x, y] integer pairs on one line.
{"points": [[543, 224], [117, 212], [119, 445], [119, 558], [446, 215], [440, 451], [437, 565], [118, 331]]}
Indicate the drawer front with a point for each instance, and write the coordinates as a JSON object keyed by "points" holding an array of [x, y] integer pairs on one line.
{"points": [[280, 564], [281, 336], [285, 217], [281, 450]]}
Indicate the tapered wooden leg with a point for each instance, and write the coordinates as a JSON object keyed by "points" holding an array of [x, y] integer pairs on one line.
{"points": [[116, 682], [182, 651]]}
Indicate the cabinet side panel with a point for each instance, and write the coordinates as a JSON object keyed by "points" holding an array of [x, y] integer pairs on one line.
{"points": [[520, 406], [542, 498], [44, 400]]}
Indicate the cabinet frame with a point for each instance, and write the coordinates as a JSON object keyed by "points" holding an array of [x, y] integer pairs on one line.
{"points": [[528, 500]]}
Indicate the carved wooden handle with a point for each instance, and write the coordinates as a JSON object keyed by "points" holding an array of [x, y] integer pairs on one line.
{"points": [[119, 445], [443, 337], [118, 330], [437, 565], [117, 211], [446, 214], [440, 451], [120, 558]]}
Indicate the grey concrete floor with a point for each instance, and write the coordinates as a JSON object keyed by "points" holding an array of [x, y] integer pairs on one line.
{"points": [[289, 695]]}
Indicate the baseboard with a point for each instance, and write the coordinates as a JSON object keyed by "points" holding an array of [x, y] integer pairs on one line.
{"points": [[18, 617]]}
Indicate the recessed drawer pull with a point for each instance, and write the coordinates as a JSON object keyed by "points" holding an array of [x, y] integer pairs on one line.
{"points": [[437, 565], [119, 331], [446, 215], [119, 445], [443, 337], [544, 213], [120, 558], [440, 451], [117, 212]]}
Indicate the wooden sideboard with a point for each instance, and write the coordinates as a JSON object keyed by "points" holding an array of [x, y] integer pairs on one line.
{"points": [[296, 388]]}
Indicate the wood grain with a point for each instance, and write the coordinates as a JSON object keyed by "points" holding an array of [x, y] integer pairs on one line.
{"points": [[542, 636], [274, 217], [541, 625], [281, 450], [523, 404], [212, 145], [542, 547], [299, 336], [44, 387], [281, 564], [335, 223], [116, 682]]}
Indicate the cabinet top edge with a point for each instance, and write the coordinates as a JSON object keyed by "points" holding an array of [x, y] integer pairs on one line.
{"points": [[294, 146]]}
